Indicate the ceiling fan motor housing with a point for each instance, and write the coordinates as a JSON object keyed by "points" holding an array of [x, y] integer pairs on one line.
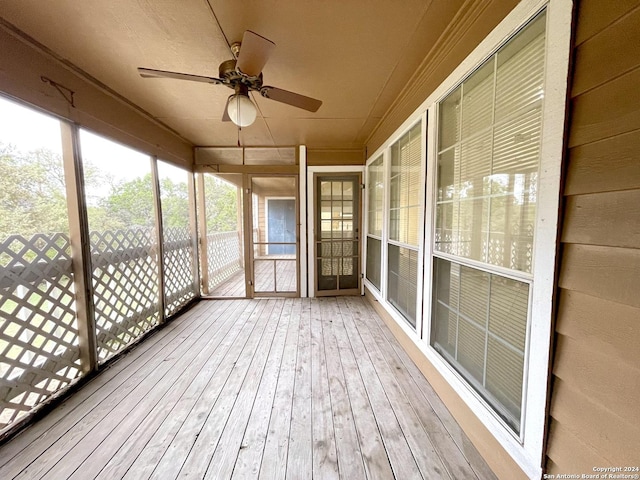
{"points": [[232, 76]]}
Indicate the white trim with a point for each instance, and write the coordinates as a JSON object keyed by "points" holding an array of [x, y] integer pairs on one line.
{"points": [[311, 217], [429, 221], [423, 206], [304, 260], [527, 451], [559, 17]]}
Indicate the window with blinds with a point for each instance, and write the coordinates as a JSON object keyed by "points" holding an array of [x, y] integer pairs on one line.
{"points": [[489, 139], [375, 210], [404, 183], [404, 222], [489, 145]]}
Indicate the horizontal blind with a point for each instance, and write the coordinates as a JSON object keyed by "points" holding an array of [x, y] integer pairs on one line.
{"points": [[405, 184], [402, 286], [375, 197], [490, 134], [481, 321]]}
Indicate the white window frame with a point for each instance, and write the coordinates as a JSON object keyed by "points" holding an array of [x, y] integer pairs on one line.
{"points": [[365, 224], [381, 295], [527, 448]]}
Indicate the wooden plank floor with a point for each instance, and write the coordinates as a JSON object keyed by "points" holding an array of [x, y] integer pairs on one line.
{"points": [[270, 389], [232, 287], [269, 270]]}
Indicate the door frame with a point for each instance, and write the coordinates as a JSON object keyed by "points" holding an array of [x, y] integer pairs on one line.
{"points": [[338, 170], [249, 243]]}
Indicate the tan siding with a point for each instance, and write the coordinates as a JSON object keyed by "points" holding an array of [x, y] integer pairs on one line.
{"points": [[595, 16], [604, 272], [606, 428], [573, 453], [610, 218], [596, 371], [606, 111], [581, 318], [592, 374], [609, 165], [606, 55]]}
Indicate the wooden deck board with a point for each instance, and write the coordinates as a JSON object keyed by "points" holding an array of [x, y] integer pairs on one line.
{"points": [[265, 388]]}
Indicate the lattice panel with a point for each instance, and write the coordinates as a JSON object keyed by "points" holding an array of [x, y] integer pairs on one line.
{"points": [[125, 282], [515, 253], [39, 352], [178, 268], [225, 256]]}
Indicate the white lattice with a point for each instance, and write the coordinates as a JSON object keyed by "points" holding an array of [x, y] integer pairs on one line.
{"points": [[225, 256], [513, 252], [125, 282], [178, 268], [39, 351]]}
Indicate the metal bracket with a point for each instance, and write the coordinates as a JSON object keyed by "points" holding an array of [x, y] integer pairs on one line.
{"points": [[66, 93]]}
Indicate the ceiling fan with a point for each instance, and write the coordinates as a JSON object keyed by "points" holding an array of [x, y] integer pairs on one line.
{"points": [[243, 74]]}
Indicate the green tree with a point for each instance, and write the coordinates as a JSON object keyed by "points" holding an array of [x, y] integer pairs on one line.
{"points": [[221, 205], [33, 198], [129, 204], [175, 203], [32, 192]]}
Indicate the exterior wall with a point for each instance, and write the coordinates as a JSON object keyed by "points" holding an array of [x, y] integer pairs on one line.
{"points": [[594, 416], [316, 157]]}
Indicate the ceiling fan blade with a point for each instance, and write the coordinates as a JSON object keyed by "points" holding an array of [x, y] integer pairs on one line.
{"points": [[254, 53], [151, 73], [290, 98]]}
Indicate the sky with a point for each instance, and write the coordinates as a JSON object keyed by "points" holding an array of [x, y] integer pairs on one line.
{"points": [[27, 129]]}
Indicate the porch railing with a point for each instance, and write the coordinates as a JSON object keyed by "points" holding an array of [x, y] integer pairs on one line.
{"points": [[225, 256], [39, 352]]}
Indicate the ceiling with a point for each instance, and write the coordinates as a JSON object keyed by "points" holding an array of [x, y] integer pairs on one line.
{"points": [[354, 55]]}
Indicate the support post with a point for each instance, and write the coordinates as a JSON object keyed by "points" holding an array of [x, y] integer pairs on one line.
{"points": [[80, 246], [202, 235], [247, 208], [193, 228], [157, 207]]}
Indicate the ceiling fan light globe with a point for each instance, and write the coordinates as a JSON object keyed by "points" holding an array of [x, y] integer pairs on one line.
{"points": [[241, 110]]}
